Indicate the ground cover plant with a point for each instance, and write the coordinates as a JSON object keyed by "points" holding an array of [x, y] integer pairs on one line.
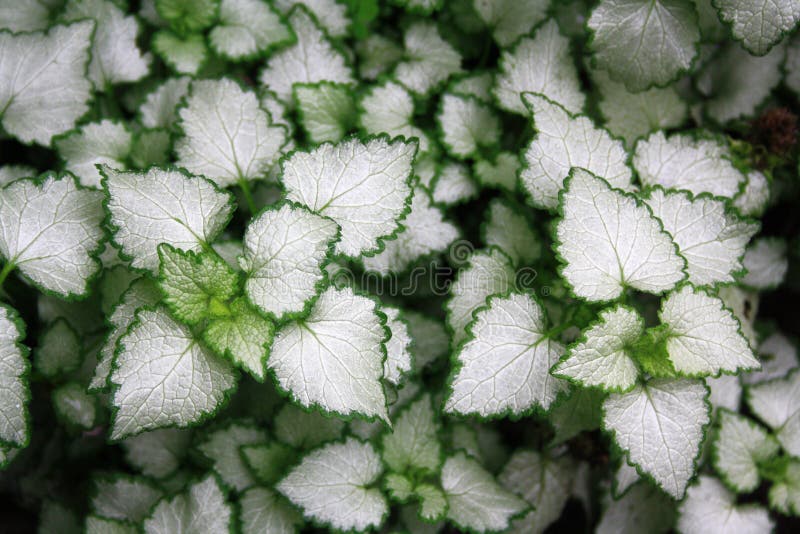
{"points": [[407, 266]]}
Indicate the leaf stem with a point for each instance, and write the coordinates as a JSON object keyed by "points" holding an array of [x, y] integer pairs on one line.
{"points": [[6, 270], [248, 196]]}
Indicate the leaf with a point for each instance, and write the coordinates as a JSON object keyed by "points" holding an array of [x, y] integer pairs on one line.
{"points": [[777, 403], [432, 502], [475, 500], [660, 425], [753, 199], [603, 356], [510, 19], [698, 165], [430, 341], [115, 56], [74, 407], [500, 173], [262, 511], [123, 497], [703, 337], [389, 108], [608, 241], [503, 366], [183, 382], [24, 17], [157, 453], [184, 56], [428, 61], [759, 24], [564, 141], [332, 486], [311, 59], [377, 54], [735, 83], [187, 16], [267, 462], [709, 506], [159, 109], [413, 444], [30, 64], [488, 272], [624, 478], [200, 509], [740, 447], [222, 449], [325, 110], [644, 42], [9, 173], [766, 263], [59, 352], [243, 336], [228, 138], [364, 187], [539, 64], [333, 358], [544, 482], [398, 354], [14, 389], [425, 231], [784, 495], [246, 28], [777, 355], [195, 286], [141, 293], [709, 237], [577, 413], [453, 185], [507, 228], [304, 429], [101, 525], [467, 125], [332, 15], [285, 248], [163, 206], [106, 142], [643, 509], [51, 230], [726, 392]]}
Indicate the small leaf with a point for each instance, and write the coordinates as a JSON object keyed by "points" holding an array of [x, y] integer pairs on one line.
{"points": [[159, 109], [740, 447], [710, 507], [510, 19], [429, 60], [14, 389], [243, 336], [157, 453], [245, 28], [262, 511], [200, 509], [467, 125], [335, 478], [123, 497], [304, 429], [766, 263], [331, 14], [325, 110], [184, 56], [413, 443], [507, 228], [74, 406], [759, 24], [268, 462], [188, 15], [643, 509], [389, 108], [105, 142], [59, 352], [222, 449], [453, 185], [398, 355], [784, 495], [777, 403]]}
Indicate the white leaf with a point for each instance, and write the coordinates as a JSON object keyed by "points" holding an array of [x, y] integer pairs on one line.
{"points": [[157, 453], [51, 230], [425, 231], [710, 239], [364, 187], [784, 495], [609, 241], [644, 42], [398, 355], [284, 250], [489, 272], [413, 443], [74, 406], [14, 392], [661, 426], [333, 358], [703, 335], [303, 429], [681, 161], [123, 497], [501, 173], [453, 185], [508, 229], [544, 482], [634, 115], [182, 56], [376, 55], [475, 500], [504, 366], [200, 509], [115, 56], [467, 125], [739, 448], [430, 339], [643, 509], [245, 28], [222, 449], [163, 377], [510, 19], [710, 508], [331, 486], [564, 141], [388, 108], [325, 110], [766, 263], [759, 24], [101, 525], [777, 355], [539, 64], [726, 392], [625, 477], [227, 136], [312, 59], [429, 59], [331, 14], [9, 173], [159, 109], [753, 199], [478, 84], [106, 142], [601, 358], [777, 403], [262, 511], [163, 206], [735, 82], [43, 89], [59, 352], [24, 16]]}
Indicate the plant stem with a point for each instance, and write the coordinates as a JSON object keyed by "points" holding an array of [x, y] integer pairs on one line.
{"points": [[7, 268], [248, 196]]}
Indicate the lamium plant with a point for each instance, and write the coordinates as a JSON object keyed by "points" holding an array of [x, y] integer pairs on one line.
{"points": [[282, 266]]}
